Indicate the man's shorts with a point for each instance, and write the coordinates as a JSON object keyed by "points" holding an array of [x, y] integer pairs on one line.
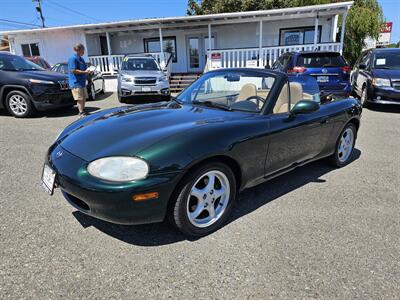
{"points": [[79, 94]]}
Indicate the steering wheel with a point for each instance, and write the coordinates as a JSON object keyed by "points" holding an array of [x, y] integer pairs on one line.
{"points": [[258, 100]]}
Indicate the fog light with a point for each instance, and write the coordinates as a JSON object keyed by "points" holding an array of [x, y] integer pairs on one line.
{"points": [[144, 197], [165, 91]]}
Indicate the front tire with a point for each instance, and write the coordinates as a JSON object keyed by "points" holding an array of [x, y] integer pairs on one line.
{"points": [[92, 93], [19, 104], [345, 146], [204, 199], [364, 97]]}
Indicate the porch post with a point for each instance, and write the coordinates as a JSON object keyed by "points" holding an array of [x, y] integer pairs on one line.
{"points": [[110, 62], [209, 47], [260, 41], [342, 32], [316, 33], [162, 58]]}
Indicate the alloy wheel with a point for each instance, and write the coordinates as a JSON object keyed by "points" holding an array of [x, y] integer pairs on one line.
{"points": [[364, 96], [208, 199], [18, 105], [345, 147]]}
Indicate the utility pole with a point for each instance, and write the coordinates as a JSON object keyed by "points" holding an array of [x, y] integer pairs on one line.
{"points": [[39, 10]]}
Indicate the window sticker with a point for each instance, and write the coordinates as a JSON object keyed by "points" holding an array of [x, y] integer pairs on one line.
{"points": [[380, 61]]}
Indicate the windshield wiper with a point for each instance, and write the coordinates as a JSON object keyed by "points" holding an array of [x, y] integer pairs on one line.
{"points": [[176, 100], [212, 104]]}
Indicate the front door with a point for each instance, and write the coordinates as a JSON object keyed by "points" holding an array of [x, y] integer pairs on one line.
{"points": [[197, 52]]}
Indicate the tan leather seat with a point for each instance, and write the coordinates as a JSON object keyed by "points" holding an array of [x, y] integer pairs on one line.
{"points": [[248, 90], [296, 94]]}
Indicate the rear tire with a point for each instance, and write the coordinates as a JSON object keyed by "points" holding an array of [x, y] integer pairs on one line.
{"points": [[204, 199], [344, 146], [19, 104]]}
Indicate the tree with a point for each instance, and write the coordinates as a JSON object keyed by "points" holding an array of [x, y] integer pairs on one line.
{"points": [[365, 17]]}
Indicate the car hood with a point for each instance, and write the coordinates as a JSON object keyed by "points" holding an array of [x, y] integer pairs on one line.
{"points": [[43, 75], [130, 129], [385, 73], [142, 73]]}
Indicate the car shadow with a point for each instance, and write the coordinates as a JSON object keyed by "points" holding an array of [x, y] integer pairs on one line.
{"points": [[66, 112], [391, 108], [249, 200]]}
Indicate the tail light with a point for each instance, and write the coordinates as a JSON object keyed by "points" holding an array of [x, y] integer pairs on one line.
{"points": [[297, 69], [346, 69]]}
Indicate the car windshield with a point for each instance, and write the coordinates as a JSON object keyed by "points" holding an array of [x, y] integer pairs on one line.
{"points": [[231, 90], [17, 63], [387, 60], [135, 64], [320, 60], [304, 87]]}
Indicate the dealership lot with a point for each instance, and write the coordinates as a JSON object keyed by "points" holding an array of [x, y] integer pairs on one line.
{"points": [[316, 232]]}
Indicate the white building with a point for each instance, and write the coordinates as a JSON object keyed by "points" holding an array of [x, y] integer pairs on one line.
{"points": [[241, 39]]}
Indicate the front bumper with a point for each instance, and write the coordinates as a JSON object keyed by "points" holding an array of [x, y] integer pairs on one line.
{"points": [[127, 89], [110, 201], [384, 95], [45, 97]]}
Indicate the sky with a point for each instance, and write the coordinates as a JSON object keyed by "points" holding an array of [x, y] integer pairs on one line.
{"points": [[67, 12]]}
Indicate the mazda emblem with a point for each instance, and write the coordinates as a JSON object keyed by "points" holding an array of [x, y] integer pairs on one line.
{"points": [[59, 154]]}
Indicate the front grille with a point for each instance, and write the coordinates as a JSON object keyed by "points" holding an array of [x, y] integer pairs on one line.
{"points": [[63, 85], [396, 85], [145, 80]]}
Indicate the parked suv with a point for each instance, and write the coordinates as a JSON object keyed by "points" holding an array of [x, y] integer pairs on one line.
{"points": [[330, 70], [95, 83], [142, 76], [25, 87], [376, 76]]}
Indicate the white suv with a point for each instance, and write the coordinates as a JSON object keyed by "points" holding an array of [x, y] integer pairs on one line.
{"points": [[142, 76]]}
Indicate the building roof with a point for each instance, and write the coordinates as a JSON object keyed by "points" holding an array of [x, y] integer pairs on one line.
{"points": [[215, 19]]}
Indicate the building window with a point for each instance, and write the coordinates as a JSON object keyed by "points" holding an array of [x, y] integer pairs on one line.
{"points": [[169, 45], [30, 49], [298, 36]]}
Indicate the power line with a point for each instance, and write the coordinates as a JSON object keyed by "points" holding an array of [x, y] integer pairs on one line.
{"points": [[20, 23], [72, 10]]}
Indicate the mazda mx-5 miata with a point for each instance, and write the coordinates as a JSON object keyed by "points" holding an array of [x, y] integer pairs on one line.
{"points": [[187, 159]]}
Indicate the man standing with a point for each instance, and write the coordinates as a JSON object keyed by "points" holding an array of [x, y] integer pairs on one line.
{"points": [[77, 74]]}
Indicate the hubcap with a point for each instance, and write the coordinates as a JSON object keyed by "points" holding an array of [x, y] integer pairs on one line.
{"points": [[346, 145], [364, 96], [208, 199], [18, 104]]}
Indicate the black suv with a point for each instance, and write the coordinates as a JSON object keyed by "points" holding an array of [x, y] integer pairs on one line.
{"points": [[376, 76], [25, 87]]}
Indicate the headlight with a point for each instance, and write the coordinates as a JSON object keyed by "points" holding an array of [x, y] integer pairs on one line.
{"points": [[163, 78], [126, 78], [40, 81], [381, 82], [119, 168]]}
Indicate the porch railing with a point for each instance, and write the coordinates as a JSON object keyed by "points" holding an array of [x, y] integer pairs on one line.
{"points": [[109, 64], [250, 57]]}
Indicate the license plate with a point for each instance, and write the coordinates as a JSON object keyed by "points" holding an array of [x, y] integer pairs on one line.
{"points": [[146, 89], [48, 179], [323, 78]]}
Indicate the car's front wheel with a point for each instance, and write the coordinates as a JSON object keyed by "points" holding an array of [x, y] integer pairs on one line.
{"points": [[204, 199], [345, 146], [364, 97], [92, 93], [19, 104]]}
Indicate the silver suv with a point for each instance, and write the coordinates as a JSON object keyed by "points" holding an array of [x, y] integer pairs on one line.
{"points": [[142, 76]]}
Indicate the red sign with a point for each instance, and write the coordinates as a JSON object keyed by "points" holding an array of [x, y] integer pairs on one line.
{"points": [[216, 55], [387, 27]]}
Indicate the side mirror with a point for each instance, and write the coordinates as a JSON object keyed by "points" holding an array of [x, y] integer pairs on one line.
{"points": [[362, 66], [304, 107]]}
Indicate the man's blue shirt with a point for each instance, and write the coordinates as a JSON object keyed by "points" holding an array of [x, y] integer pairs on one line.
{"points": [[76, 62]]}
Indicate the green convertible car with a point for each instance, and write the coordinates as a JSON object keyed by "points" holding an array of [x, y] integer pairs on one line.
{"points": [[188, 158]]}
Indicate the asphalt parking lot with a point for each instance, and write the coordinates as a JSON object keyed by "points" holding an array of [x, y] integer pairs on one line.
{"points": [[316, 232]]}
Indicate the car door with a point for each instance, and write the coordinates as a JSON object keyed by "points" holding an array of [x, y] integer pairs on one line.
{"points": [[362, 73], [294, 139]]}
